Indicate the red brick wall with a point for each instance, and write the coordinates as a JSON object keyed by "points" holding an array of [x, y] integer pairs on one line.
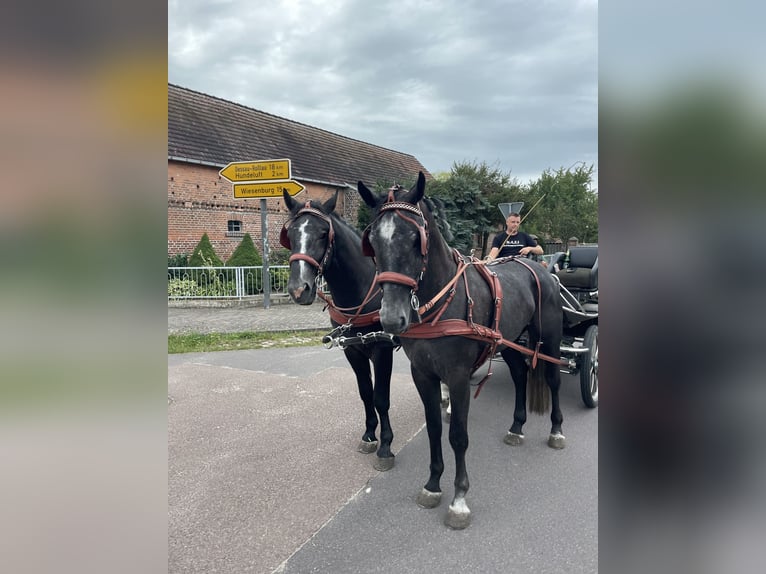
{"points": [[200, 201]]}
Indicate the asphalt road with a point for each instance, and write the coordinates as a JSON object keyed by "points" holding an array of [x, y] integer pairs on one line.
{"points": [[264, 476]]}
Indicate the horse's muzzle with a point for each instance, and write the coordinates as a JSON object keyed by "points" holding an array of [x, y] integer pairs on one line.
{"points": [[394, 318], [302, 294]]}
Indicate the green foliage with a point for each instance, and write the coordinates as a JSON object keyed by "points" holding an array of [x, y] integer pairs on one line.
{"points": [[568, 206], [178, 260], [471, 192], [204, 255], [279, 278], [209, 342], [245, 255], [364, 215], [279, 256], [202, 287]]}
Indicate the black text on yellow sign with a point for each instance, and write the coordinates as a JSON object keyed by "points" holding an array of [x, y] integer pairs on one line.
{"points": [[257, 170], [266, 189]]}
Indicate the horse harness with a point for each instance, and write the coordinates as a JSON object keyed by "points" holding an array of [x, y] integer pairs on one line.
{"points": [[430, 325], [346, 316]]}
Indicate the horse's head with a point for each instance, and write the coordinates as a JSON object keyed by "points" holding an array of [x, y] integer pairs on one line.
{"points": [[308, 234], [398, 239]]}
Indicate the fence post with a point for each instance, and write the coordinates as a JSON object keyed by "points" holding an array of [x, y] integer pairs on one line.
{"points": [[239, 281]]}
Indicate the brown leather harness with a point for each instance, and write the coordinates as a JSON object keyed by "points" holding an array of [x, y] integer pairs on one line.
{"points": [[430, 325], [352, 316]]}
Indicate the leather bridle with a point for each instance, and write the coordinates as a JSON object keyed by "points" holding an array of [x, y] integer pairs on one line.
{"points": [[284, 240], [401, 209]]}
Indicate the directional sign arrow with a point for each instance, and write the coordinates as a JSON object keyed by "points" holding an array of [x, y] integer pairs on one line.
{"points": [[261, 170], [266, 189]]}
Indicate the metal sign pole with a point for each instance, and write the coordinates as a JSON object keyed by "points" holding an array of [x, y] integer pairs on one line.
{"points": [[266, 280]]}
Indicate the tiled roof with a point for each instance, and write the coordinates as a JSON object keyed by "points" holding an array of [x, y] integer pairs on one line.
{"points": [[206, 129]]}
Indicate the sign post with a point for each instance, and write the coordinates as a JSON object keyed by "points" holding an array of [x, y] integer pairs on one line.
{"points": [[265, 275], [262, 179]]}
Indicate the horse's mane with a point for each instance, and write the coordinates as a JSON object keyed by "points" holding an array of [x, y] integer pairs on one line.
{"points": [[439, 214], [338, 219]]}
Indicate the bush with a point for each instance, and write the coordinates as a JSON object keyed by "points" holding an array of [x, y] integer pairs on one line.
{"points": [[279, 256], [245, 255], [204, 255], [279, 278], [178, 260]]}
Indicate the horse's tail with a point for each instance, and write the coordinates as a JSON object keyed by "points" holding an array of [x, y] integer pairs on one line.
{"points": [[537, 389]]}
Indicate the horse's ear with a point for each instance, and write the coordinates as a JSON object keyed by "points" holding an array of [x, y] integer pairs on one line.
{"points": [[290, 203], [418, 190], [329, 205], [366, 194]]}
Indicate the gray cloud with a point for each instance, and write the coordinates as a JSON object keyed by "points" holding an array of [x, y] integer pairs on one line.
{"points": [[512, 83]]}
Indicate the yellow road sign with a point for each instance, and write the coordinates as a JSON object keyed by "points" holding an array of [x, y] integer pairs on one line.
{"points": [[262, 170], [266, 189]]}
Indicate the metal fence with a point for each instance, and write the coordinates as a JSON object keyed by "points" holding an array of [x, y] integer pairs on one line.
{"points": [[224, 282]]}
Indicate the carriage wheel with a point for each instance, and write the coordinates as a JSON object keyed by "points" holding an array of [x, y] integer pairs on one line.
{"points": [[589, 368]]}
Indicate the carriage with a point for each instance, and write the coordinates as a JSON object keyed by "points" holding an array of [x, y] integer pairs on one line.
{"points": [[578, 283]]}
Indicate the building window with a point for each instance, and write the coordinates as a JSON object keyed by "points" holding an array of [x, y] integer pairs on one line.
{"points": [[234, 228]]}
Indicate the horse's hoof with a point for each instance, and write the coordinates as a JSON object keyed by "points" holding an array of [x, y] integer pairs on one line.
{"points": [[368, 447], [428, 499], [383, 464], [458, 515], [556, 441], [514, 439]]}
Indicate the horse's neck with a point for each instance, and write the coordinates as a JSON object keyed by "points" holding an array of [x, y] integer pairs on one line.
{"points": [[350, 273], [440, 268]]}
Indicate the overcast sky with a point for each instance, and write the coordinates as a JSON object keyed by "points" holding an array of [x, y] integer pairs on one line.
{"points": [[510, 83]]}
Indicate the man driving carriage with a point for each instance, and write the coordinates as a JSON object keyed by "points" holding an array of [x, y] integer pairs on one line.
{"points": [[512, 241]]}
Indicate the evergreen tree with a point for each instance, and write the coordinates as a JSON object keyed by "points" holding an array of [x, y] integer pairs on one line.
{"points": [[204, 255], [245, 255]]}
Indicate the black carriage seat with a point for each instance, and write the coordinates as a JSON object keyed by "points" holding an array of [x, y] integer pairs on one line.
{"points": [[582, 272]]}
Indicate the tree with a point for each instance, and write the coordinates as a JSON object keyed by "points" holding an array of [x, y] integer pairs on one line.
{"points": [[364, 214], [471, 193], [204, 255], [567, 206], [245, 255]]}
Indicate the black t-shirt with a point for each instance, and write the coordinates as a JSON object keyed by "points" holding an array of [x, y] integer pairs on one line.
{"points": [[514, 243]]}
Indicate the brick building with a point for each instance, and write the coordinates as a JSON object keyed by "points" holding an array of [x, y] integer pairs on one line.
{"points": [[206, 133]]}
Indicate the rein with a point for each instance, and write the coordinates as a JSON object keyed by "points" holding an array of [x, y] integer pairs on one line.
{"points": [[436, 328], [471, 330]]}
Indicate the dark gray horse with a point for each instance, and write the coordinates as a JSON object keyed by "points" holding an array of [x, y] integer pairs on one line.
{"points": [[451, 314], [322, 244]]}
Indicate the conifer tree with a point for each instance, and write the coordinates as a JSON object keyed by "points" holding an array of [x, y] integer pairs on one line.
{"points": [[245, 255], [204, 255]]}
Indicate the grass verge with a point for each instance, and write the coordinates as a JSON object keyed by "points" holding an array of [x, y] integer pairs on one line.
{"points": [[209, 342]]}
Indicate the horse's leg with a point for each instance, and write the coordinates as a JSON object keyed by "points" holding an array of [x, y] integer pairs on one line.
{"points": [[458, 514], [518, 368], [551, 372], [382, 360], [553, 378], [430, 394], [361, 367]]}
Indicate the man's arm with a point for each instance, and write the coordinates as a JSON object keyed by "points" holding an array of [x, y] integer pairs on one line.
{"points": [[492, 254], [536, 250]]}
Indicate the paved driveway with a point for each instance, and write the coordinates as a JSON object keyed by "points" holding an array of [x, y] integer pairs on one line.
{"points": [[264, 476]]}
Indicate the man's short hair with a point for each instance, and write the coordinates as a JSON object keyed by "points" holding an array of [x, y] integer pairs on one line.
{"points": [[513, 214]]}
